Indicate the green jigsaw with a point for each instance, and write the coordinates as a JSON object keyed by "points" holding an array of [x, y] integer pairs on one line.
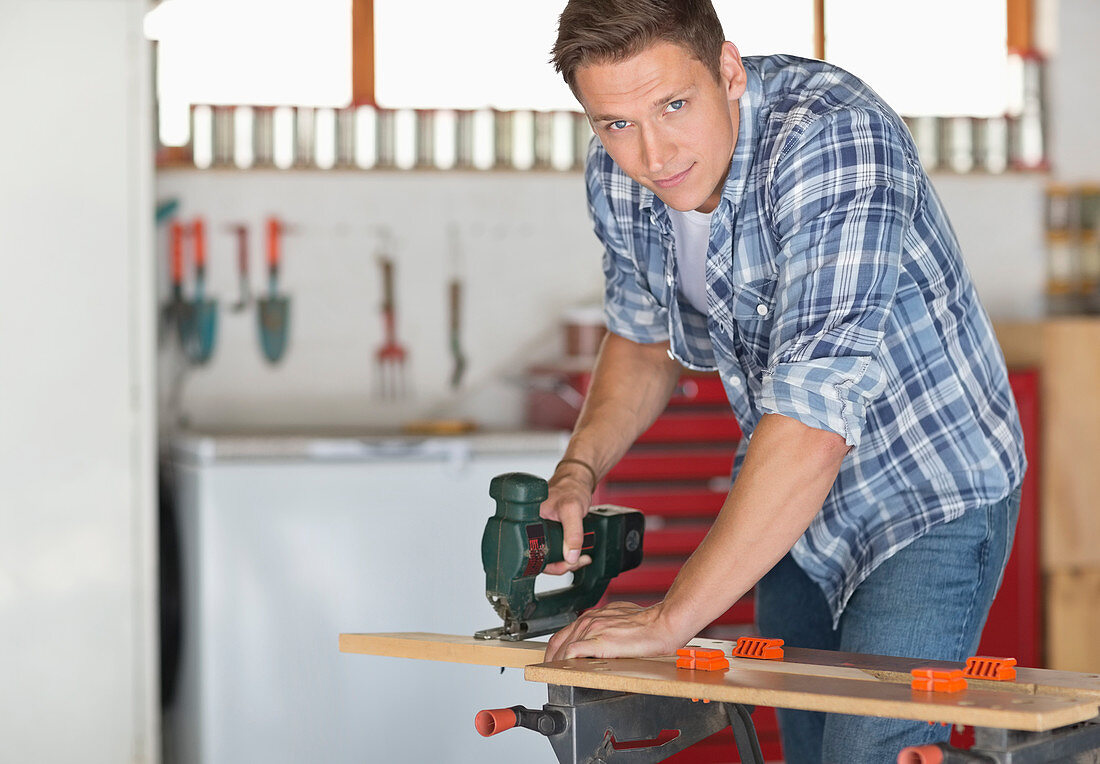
{"points": [[518, 544]]}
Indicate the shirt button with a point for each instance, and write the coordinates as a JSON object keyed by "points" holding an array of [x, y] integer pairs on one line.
{"points": [[762, 309], [670, 353], [735, 381], [668, 279]]}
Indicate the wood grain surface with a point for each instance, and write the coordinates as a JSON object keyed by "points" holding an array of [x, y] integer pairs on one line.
{"points": [[659, 676], [1071, 442], [450, 648], [817, 680]]}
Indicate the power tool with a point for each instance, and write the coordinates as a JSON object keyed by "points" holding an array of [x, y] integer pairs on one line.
{"points": [[518, 544]]}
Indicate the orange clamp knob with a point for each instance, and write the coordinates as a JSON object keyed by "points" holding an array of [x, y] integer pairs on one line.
{"points": [[921, 754], [493, 721], [994, 669], [701, 659], [938, 680], [757, 647]]}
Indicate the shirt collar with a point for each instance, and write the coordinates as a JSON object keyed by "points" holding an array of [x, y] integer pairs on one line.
{"points": [[748, 111]]}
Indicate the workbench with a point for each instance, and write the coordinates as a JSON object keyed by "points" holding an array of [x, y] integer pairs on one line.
{"points": [[1040, 716]]}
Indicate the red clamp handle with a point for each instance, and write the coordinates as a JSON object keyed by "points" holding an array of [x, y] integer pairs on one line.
{"points": [[493, 721]]}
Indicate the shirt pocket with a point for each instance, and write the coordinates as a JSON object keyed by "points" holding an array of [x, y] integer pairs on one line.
{"points": [[753, 318]]}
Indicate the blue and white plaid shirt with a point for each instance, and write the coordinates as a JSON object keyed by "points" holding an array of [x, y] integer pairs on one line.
{"points": [[837, 296]]}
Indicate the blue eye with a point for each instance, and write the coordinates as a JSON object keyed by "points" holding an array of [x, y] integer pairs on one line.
{"points": [[676, 105], [618, 124]]}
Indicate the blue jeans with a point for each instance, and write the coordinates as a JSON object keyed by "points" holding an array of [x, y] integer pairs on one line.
{"points": [[930, 600]]}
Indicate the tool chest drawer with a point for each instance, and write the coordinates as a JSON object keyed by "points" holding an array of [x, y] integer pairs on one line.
{"points": [[555, 394], [645, 463]]}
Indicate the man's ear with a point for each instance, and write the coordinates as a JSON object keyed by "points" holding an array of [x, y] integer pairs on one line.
{"points": [[733, 71]]}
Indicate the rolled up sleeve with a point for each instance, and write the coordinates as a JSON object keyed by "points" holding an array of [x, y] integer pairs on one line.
{"points": [[842, 197], [630, 308]]}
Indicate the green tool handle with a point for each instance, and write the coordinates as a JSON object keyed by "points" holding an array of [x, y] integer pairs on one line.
{"points": [[456, 306], [605, 531], [518, 544]]}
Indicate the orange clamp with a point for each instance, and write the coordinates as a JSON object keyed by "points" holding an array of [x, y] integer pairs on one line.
{"points": [[994, 669], [938, 680], [701, 659], [757, 647]]}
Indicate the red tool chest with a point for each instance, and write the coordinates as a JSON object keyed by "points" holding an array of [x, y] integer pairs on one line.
{"points": [[678, 474]]}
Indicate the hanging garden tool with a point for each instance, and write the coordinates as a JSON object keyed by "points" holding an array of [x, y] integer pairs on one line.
{"points": [[391, 355], [199, 338], [274, 312], [178, 310], [244, 299], [457, 356], [455, 294]]}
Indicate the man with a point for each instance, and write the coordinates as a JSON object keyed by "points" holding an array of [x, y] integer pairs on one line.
{"points": [[769, 218]]}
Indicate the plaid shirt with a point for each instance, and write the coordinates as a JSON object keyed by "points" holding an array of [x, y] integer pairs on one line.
{"points": [[837, 296]]}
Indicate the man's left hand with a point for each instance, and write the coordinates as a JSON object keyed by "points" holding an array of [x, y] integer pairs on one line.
{"points": [[616, 630]]}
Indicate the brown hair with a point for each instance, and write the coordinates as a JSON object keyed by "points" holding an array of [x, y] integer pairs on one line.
{"points": [[605, 31]]}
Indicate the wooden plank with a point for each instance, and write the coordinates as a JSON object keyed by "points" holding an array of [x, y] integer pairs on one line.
{"points": [[822, 664], [449, 648], [1073, 619], [659, 676], [1021, 342], [887, 668], [1071, 441]]}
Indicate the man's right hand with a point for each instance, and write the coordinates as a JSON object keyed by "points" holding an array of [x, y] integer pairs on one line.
{"points": [[570, 497]]}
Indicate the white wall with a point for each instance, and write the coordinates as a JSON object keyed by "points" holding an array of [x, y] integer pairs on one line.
{"points": [[528, 254], [77, 637], [1073, 88], [999, 222]]}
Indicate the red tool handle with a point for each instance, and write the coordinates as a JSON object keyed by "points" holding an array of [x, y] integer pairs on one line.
{"points": [[387, 284], [242, 247], [175, 233], [493, 721], [274, 233], [923, 754], [198, 230]]}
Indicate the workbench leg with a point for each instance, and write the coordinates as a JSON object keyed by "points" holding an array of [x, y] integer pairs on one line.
{"points": [[1076, 744], [744, 733]]}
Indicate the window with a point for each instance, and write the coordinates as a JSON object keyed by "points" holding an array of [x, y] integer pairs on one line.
{"points": [[936, 57], [257, 52], [298, 52]]}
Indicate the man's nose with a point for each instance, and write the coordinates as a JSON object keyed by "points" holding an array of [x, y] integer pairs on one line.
{"points": [[657, 150]]}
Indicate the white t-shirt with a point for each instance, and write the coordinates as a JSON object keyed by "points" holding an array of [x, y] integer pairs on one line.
{"points": [[692, 232]]}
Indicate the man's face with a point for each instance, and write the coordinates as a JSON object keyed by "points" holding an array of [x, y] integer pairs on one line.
{"points": [[665, 120]]}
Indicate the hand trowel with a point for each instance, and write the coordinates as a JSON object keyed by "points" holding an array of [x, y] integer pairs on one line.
{"points": [[274, 312], [199, 331]]}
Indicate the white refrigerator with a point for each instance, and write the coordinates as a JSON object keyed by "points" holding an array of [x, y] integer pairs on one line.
{"points": [[285, 542]]}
